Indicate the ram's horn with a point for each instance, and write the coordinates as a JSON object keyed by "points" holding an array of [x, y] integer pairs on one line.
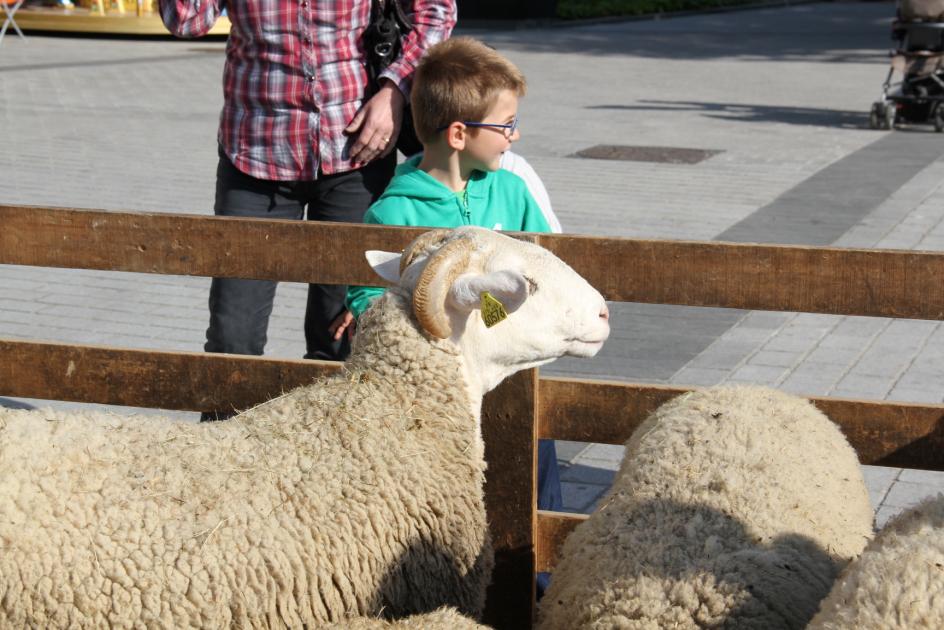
{"points": [[429, 296], [420, 245]]}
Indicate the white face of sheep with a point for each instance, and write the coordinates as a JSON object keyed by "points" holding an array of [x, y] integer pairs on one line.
{"points": [[509, 305]]}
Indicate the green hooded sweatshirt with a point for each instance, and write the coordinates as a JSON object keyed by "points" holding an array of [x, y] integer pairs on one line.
{"points": [[497, 200]]}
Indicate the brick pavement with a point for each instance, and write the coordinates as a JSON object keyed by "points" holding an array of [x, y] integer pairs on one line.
{"points": [[782, 93]]}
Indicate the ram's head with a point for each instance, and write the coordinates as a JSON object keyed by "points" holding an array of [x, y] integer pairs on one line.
{"points": [[503, 301]]}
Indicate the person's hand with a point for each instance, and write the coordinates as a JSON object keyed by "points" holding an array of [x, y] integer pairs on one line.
{"points": [[344, 321], [377, 124]]}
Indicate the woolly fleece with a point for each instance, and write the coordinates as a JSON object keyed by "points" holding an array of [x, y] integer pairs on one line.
{"points": [[734, 507], [442, 619], [897, 582], [360, 494]]}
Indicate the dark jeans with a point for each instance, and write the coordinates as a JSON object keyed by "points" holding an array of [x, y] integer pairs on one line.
{"points": [[549, 486], [240, 309]]}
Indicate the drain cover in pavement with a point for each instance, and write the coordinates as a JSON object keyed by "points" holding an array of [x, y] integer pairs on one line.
{"points": [[661, 155]]}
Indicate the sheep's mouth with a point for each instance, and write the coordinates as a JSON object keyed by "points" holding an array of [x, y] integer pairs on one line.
{"points": [[591, 338], [585, 347]]}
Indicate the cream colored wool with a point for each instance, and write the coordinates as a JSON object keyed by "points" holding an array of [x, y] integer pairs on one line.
{"points": [[442, 619], [734, 507], [898, 581], [359, 493]]}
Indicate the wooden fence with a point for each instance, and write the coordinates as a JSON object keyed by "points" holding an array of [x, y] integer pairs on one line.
{"points": [[525, 407]]}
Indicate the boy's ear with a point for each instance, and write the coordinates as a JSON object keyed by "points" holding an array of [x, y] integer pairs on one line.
{"points": [[456, 134], [385, 264]]}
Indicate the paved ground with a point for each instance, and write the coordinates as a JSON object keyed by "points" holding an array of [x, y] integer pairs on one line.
{"points": [[781, 93]]}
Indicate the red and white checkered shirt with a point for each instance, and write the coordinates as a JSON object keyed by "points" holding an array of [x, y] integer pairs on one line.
{"points": [[295, 75]]}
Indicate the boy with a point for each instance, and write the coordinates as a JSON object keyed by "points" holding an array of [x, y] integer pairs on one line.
{"points": [[465, 110], [465, 104]]}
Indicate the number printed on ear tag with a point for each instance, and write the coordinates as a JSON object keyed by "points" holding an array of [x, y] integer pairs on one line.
{"points": [[493, 311]]}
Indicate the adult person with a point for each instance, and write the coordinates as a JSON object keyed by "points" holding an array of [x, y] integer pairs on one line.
{"points": [[302, 134]]}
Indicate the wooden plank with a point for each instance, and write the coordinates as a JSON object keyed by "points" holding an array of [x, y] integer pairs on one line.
{"points": [[890, 434], [604, 412], [882, 433], [872, 282], [508, 428], [768, 277], [552, 529], [195, 245], [141, 378]]}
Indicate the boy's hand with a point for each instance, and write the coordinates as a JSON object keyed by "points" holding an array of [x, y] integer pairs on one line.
{"points": [[377, 124], [344, 321]]}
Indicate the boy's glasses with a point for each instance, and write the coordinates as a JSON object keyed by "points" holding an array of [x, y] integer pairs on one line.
{"points": [[508, 129]]}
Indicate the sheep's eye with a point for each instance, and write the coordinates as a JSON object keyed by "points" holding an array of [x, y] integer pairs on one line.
{"points": [[532, 285]]}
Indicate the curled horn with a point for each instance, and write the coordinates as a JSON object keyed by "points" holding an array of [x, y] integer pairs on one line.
{"points": [[429, 296], [420, 245]]}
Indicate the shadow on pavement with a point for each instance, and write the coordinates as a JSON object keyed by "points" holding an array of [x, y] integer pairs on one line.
{"points": [[746, 112]]}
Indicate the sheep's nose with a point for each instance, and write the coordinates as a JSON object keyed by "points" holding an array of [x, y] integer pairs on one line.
{"points": [[605, 313]]}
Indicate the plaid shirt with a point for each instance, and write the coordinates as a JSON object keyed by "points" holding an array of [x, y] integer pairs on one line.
{"points": [[295, 76]]}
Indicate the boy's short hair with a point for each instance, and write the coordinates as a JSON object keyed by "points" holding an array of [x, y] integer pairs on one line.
{"points": [[459, 79]]}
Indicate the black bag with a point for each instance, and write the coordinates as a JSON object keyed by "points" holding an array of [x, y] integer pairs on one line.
{"points": [[382, 45]]}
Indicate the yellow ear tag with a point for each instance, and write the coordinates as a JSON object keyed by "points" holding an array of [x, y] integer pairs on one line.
{"points": [[493, 311]]}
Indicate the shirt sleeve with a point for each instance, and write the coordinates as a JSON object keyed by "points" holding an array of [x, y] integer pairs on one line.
{"points": [[190, 18], [433, 21], [359, 298], [533, 219]]}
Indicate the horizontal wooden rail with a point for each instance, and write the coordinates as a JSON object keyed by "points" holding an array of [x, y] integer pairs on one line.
{"points": [[766, 277], [188, 381], [882, 433], [873, 282], [194, 245]]}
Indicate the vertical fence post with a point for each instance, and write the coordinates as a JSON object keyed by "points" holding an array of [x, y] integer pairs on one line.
{"points": [[509, 428]]}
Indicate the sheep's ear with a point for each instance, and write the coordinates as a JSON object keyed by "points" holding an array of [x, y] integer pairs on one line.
{"points": [[385, 264], [508, 287]]}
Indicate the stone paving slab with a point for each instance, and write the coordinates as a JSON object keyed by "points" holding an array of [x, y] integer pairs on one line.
{"points": [[783, 93]]}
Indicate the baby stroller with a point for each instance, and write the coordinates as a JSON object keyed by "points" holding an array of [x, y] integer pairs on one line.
{"points": [[919, 58]]}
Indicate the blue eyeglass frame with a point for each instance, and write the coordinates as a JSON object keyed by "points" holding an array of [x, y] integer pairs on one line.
{"points": [[511, 127]]}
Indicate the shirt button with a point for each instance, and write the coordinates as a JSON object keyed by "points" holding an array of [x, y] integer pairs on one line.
{"points": [[305, 4], [311, 79]]}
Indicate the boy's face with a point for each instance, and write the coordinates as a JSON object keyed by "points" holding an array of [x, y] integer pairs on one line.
{"points": [[485, 146]]}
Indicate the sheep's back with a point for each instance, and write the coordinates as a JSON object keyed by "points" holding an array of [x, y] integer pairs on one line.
{"points": [[263, 519], [769, 459], [81, 495], [734, 506]]}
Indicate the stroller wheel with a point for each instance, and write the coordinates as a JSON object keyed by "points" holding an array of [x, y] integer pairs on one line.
{"points": [[876, 116], [891, 113], [939, 119]]}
